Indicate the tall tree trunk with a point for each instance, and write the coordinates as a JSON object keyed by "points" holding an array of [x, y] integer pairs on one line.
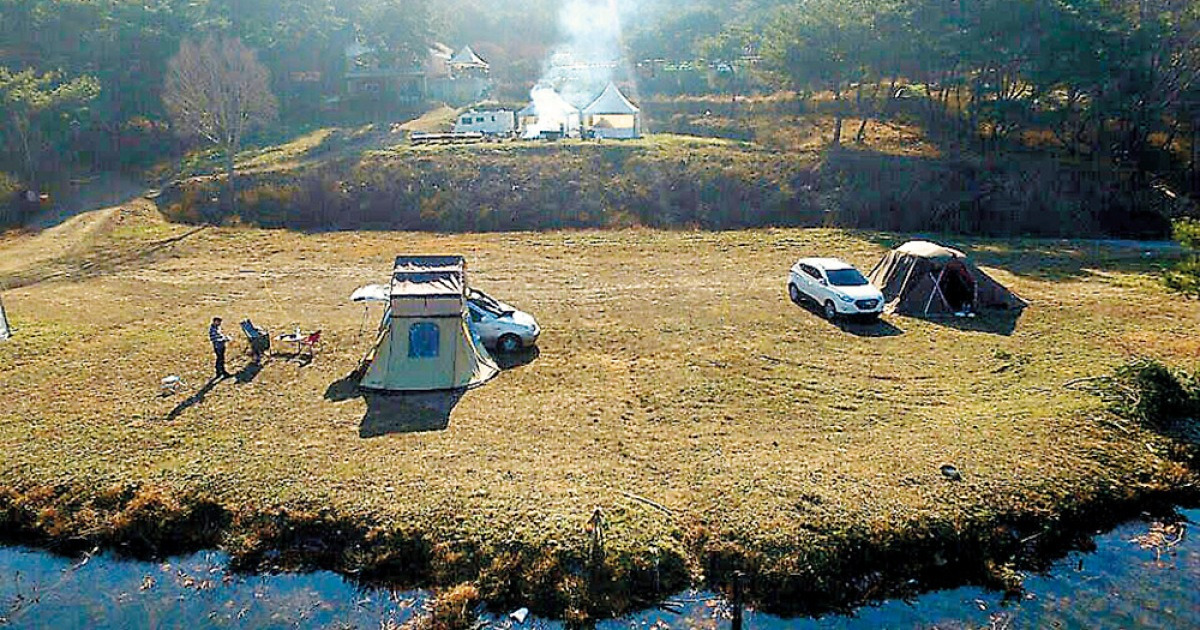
{"points": [[22, 127], [837, 115], [230, 184]]}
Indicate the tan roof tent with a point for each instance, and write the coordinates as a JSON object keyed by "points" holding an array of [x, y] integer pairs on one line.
{"points": [[926, 279], [425, 342]]}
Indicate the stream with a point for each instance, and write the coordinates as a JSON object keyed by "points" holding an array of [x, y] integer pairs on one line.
{"points": [[1144, 574]]}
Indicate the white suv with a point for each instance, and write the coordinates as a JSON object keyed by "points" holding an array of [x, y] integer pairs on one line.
{"points": [[836, 286]]}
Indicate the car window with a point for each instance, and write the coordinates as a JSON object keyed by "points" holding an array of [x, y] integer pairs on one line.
{"points": [[846, 278], [812, 271], [486, 303], [476, 316]]}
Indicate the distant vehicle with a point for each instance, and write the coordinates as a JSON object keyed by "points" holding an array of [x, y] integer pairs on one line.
{"points": [[836, 286], [500, 326]]}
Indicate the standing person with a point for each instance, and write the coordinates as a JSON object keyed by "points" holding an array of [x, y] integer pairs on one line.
{"points": [[218, 339]]}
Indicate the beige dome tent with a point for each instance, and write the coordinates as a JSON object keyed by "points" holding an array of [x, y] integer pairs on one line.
{"points": [[923, 278], [425, 342]]}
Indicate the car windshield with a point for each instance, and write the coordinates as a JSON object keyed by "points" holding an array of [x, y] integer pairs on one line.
{"points": [[846, 278], [485, 302]]}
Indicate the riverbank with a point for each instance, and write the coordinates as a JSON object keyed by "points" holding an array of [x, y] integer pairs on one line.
{"points": [[678, 400], [1142, 574]]}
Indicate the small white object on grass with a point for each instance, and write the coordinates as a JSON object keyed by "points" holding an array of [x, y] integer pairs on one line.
{"points": [[171, 384]]}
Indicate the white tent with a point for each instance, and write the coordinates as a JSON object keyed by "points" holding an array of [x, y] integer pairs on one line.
{"points": [[425, 341], [611, 115], [548, 113], [5, 331], [466, 58]]}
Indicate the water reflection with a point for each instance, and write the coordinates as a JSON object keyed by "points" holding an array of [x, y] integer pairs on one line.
{"points": [[1139, 575]]}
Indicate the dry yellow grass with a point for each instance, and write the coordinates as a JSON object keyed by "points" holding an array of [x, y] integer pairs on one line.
{"points": [[672, 370]]}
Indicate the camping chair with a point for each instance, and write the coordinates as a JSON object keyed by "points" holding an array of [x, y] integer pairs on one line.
{"points": [[260, 341], [309, 344]]}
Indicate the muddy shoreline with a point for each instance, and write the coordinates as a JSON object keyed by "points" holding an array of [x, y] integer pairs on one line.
{"points": [[588, 583]]}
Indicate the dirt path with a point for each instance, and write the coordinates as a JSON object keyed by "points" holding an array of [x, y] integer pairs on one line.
{"points": [[26, 251]]}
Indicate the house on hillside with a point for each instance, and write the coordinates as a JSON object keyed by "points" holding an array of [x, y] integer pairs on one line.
{"points": [[468, 79], [611, 115], [437, 76]]}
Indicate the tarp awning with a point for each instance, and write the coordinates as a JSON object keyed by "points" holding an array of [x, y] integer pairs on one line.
{"points": [[371, 293]]}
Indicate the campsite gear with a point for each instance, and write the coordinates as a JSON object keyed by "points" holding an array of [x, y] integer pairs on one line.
{"points": [[310, 342], [951, 473], [171, 384], [260, 341], [927, 279], [425, 341], [5, 330]]}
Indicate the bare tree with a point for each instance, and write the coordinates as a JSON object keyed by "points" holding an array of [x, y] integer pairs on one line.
{"points": [[218, 91]]}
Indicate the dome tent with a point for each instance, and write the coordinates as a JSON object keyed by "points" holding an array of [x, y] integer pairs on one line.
{"points": [[425, 342], [927, 279]]}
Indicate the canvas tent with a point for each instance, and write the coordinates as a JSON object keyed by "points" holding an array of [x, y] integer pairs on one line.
{"points": [[611, 115], [425, 342], [548, 114], [466, 59], [927, 279], [5, 331]]}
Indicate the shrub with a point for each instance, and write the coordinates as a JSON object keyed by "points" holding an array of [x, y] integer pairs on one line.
{"points": [[1151, 392], [1185, 276]]}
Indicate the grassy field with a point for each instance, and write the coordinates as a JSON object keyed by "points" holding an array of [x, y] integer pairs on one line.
{"points": [[712, 424]]}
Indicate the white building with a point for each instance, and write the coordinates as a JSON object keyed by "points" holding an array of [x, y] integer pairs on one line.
{"points": [[493, 122]]}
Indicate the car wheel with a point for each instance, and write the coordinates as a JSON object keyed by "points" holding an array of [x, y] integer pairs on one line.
{"points": [[794, 293], [830, 310], [509, 344]]}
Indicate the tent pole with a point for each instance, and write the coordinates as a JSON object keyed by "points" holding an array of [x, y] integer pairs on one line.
{"points": [[937, 290]]}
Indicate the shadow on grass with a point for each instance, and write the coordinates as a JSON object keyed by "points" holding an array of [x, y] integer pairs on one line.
{"points": [[193, 400], [390, 414], [1002, 323], [858, 328], [247, 374], [519, 359]]}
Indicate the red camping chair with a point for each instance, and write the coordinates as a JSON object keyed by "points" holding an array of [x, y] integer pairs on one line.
{"points": [[309, 344]]}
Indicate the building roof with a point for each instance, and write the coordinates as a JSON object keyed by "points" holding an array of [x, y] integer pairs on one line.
{"points": [[611, 101], [467, 57]]}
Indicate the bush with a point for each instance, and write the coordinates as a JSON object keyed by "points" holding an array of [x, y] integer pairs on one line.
{"points": [[1150, 392], [11, 209], [1185, 276]]}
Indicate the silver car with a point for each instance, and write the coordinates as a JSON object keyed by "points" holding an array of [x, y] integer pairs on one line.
{"points": [[500, 326]]}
